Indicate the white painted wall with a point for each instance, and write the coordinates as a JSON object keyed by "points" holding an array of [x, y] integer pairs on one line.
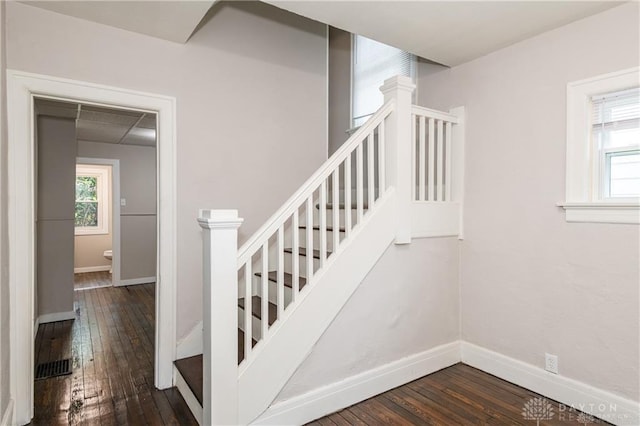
{"points": [[406, 305], [5, 376], [251, 106], [531, 282]]}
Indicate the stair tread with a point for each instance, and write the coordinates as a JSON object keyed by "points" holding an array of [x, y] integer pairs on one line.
{"points": [[317, 228], [288, 278], [303, 252], [192, 371], [256, 308]]}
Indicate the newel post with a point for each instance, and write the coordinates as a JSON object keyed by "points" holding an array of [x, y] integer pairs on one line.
{"points": [[398, 151], [220, 316]]}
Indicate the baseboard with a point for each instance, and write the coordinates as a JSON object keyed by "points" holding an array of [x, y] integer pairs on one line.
{"points": [[570, 393], [189, 397], [191, 344], [91, 269], [7, 416], [56, 316], [336, 396], [134, 281]]}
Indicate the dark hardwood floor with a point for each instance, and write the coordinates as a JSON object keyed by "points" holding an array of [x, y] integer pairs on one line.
{"points": [[89, 280], [458, 395], [110, 344]]}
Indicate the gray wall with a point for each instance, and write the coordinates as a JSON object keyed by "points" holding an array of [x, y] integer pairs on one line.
{"points": [[138, 217], [251, 107], [56, 159], [531, 282], [407, 304], [5, 376], [339, 87]]}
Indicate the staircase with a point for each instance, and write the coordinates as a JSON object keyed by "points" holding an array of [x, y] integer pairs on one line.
{"points": [[267, 304]]}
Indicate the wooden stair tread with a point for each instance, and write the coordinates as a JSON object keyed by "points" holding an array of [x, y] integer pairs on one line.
{"points": [[192, 370], [288, 278], [256, 308], [303, 252], [317, 228], [354, 205]]}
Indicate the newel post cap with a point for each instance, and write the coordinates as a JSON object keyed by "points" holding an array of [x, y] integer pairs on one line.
{"points": [[219, 219], [397, 83]]}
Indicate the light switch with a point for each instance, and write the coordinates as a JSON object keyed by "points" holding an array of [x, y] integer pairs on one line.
{"points": [[123, 202]]}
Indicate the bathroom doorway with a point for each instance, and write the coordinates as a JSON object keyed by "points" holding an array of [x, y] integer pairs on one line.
{"points": [[97, 223]]}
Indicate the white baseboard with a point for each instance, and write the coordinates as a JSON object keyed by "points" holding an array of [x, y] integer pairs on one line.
{"points": [[56, 316], [189, 397], [91, 269], [336, 396], [134, 281], [570, 393], [7, 416], [191, 344]]}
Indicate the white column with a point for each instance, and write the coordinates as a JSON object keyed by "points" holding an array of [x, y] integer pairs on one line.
{"points": [[220, 316], [398, 151]]}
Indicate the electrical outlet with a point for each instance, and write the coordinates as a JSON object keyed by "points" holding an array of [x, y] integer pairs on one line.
{"points": [[551, 363]]}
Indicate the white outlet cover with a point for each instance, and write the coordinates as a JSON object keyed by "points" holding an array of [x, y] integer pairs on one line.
{"points": [[551, 363]]}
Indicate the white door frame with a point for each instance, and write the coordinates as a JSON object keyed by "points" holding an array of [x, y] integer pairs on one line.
{"points": [[115, 212], [22, 88]]}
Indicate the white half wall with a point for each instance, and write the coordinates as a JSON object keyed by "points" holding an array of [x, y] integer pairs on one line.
{"points": [[531, 282], [407, 304], [251, 96]]}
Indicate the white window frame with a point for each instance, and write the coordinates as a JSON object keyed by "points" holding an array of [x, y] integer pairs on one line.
{"points": [[584, 196], [103, 182]]}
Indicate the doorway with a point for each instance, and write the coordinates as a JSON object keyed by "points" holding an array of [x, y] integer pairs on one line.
{"points": [[23, 90]]}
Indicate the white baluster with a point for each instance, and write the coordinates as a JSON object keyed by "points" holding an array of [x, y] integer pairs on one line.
{"points": [[359, 183], [309, 242], [432, 160], [447, 152], [440, 159], [323, 224], [280, 286], [248, 296], [414, 156], [422, 159], [381, 160], [220, 337], [264, 297], [295, 261], [347, 196], [335, 182], [370, 171]]}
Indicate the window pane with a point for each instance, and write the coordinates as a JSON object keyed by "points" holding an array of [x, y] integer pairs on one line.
{"points": [[373, 63], [625, 174], [86, 188], [86, 214]]}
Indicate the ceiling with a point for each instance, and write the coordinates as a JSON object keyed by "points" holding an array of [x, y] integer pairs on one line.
{"points": [[447, 32], [105, 125], [168, 20]]}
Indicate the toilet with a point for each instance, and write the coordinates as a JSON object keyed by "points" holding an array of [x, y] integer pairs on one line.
{"points": [[108, 254]]}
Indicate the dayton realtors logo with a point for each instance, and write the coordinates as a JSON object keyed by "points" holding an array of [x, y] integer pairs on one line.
{"points": [[537, 409]]}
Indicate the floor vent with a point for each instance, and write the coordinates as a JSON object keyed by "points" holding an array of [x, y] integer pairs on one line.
{"points": [[53, 369]]}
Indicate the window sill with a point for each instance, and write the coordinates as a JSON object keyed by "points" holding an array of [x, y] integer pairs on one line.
{"points": [[602, 212]]}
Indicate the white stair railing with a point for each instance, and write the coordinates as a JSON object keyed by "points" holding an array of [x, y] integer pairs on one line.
{"points": [[256, 288]]}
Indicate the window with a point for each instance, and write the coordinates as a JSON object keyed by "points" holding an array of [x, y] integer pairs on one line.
{"points": [[92, 199], [373, 63], [603, 149]]}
